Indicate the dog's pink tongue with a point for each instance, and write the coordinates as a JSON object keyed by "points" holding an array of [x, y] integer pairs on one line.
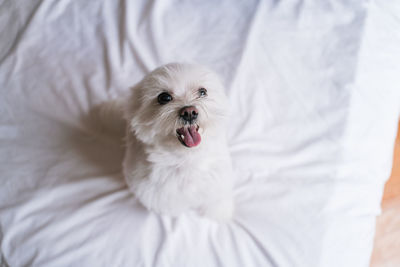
{"points": [[192, 137]]}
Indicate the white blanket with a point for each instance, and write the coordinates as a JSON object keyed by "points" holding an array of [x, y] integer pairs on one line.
{"points": [[314, 88]]}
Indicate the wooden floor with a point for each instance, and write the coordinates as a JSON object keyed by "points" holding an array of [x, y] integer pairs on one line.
{"points": [[387, 240]]}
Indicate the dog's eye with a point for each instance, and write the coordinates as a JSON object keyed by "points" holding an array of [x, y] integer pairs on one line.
{"points": [[202, 92], [164, 98]]}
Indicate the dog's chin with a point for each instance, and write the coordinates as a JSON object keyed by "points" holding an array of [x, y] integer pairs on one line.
{"points": [[188, 135]]}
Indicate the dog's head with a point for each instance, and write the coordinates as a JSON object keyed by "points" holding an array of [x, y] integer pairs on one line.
{"points": [[177, 104]]}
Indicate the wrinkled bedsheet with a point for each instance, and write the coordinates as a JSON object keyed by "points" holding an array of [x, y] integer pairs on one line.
{"points": [[314, 95]]}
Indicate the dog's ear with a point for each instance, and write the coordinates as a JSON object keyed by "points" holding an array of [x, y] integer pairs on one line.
{"points": [[132, 103], [137, 114]]}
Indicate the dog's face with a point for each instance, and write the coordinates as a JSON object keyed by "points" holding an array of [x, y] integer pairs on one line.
{"points": [[177, 104]]}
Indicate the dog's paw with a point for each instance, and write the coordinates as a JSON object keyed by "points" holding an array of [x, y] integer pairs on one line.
{"points": [[221, 211]]}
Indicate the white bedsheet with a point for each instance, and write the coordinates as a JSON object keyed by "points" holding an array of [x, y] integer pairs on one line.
{"points": [[315, 99]]}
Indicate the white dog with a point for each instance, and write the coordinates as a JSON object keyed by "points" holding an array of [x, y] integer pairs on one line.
{"points": [[177, 156]]}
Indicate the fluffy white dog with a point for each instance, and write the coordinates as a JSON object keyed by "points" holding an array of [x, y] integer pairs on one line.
{"points": [[177, 157]]}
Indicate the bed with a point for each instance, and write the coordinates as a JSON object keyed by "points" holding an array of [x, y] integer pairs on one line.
{"points": [[314, 98]]}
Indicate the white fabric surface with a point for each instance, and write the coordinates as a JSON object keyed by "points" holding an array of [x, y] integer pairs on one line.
{"points": [[315, 98]]}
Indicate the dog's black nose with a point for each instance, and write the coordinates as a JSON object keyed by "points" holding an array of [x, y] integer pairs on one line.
{"points": [[189, 114]]}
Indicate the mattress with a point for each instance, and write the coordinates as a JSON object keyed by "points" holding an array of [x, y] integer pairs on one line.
{"points": [[314, 97]]}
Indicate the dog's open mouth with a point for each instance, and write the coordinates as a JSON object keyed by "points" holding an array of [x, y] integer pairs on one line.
{"points": [[189, 135]]}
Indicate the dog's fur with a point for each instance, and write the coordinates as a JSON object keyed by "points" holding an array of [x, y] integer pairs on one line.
{"points": [[165, 175]]}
